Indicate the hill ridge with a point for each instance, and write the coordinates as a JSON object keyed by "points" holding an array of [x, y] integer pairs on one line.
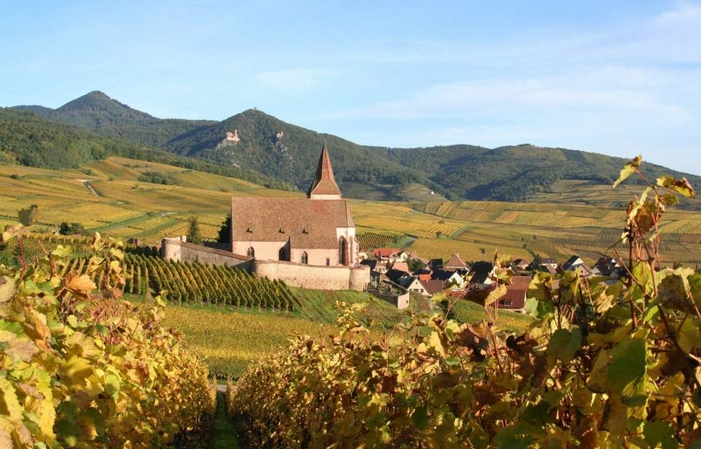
{"points": [[287, 152]]}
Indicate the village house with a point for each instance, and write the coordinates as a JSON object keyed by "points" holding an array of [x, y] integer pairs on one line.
{"points": [[451, 279], [515, 298], [482, 275]]}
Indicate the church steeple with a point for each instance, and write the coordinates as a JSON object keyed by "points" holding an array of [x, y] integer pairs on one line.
{"points": [[324, 186]]}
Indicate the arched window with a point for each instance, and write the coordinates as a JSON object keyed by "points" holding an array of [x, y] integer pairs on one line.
{"points": [[305, 258], [283, 255], [250, 252], [342, 251]]}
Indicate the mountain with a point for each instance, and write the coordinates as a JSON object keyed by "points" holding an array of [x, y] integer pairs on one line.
{"points": [[253, 142], [33, 140], [108, 117], [290, 153], [515, 173]]}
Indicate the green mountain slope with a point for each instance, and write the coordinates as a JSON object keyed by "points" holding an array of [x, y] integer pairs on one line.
{"points": [[290, 153], [32, 140], [515, 173], [110, 118], [255, 142]]}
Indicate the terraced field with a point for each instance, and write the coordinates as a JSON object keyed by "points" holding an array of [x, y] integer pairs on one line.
{"points": [[125, 207]]}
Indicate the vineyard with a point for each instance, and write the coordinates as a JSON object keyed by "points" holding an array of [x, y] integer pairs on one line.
{"points": [[194, 283], [605, 363], [81, 368], [371, 240]]}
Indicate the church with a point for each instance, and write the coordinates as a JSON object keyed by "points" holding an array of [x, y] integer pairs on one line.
{"points": [[316, 231]]}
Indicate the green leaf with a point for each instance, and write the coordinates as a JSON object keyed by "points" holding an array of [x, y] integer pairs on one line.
{"points": [[626, 373], [564, 344], [539, 309], [680, 186], [513, 437], [420, 418], [628, 169], [660, 432]]}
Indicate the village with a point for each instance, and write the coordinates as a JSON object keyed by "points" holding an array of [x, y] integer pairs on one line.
{"points": [[409, 272], [311, 243]]}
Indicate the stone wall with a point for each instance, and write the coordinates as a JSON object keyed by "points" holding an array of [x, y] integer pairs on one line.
{"points": [[314, 277], [178, 249]]}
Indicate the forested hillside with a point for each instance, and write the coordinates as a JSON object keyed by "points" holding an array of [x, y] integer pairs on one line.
{"points": [[254, 145], [31, 140], [110, 118]]}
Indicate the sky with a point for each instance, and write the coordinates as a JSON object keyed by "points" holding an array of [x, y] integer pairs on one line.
{"points": [[620, 78]]}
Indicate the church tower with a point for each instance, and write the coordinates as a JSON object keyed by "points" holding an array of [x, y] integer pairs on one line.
{"points": [[324, 186]]}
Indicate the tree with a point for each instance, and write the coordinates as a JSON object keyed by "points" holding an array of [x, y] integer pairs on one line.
{"points": [[193, 231], [225, 230], [71, 229], [415, 265], [29, 216]]}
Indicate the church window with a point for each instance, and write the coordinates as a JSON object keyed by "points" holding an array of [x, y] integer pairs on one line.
{"points": [[251, 252], [342, 251], [305, 258]]}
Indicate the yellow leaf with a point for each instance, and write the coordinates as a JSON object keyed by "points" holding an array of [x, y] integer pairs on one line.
{"points": [[436, 343], [77, 369], [79, 284]]}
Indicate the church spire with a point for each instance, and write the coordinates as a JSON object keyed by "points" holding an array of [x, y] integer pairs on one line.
{"points": [[324, 186]]}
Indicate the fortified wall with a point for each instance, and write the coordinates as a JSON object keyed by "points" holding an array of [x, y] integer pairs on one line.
{"points": [[179, 250], [313, 276], [297, 275]]}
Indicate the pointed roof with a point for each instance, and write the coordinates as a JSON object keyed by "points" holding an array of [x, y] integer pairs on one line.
{"points": [[324, 185], [455, 263]]}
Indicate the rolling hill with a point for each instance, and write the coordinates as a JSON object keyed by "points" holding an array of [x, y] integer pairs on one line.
{"points": [[255, 142]]}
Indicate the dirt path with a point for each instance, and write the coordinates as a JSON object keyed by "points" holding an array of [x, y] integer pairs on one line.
{"points": [[86, 183]]}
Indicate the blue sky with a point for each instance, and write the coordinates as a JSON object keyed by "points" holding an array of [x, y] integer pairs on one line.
{"points": [[613, 77]]}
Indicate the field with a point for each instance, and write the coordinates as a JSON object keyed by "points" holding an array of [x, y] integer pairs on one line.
{"points": [[106, 196], [476, 229], [573, 218]]}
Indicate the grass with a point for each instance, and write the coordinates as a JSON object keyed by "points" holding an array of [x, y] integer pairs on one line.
{"points": [[223, 434]]}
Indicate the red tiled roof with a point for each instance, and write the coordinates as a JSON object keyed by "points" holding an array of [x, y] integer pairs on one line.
{"points": [[401, 266], [455, 262], [384, 252], [306, 223], [432, 287]]}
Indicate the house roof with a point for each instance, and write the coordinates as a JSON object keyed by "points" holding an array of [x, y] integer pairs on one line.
{"points": [[572, 263], [372, 263], [455, 263], [401, 266], [399, 277], [442, 275], [435, 263], [324, 182], [304, 223], [480, 272], [547, 269], [384, 252], [432, 286]]}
